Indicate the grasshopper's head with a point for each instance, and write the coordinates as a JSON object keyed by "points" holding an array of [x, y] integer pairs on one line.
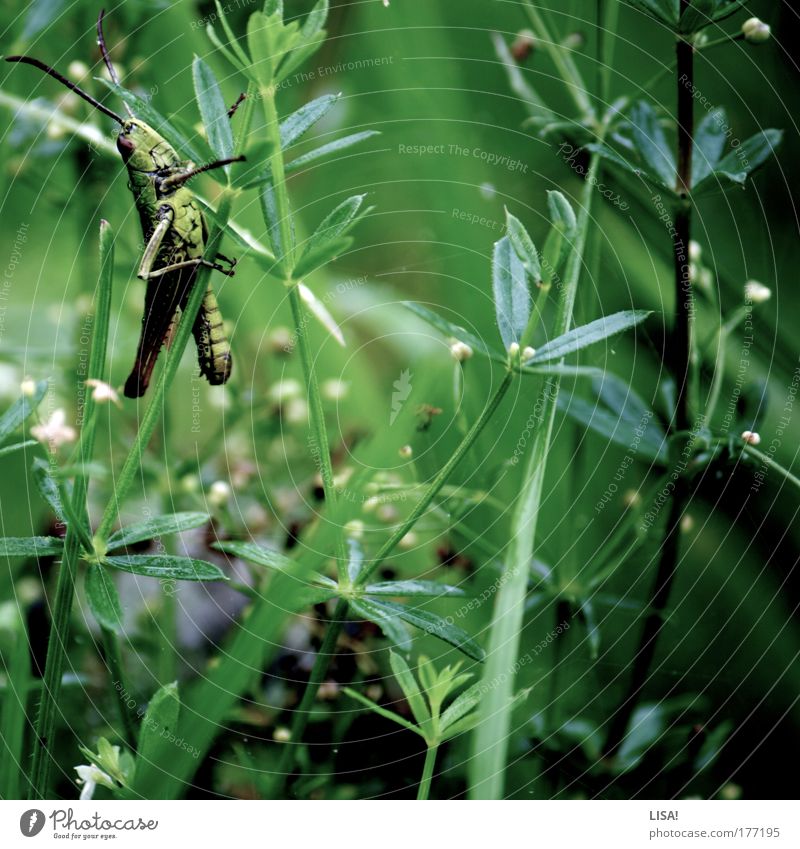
{"points": [[144, 149]]}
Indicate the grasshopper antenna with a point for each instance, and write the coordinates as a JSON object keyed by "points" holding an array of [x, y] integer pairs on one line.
{"points": [[27, 60], [101, 42]]}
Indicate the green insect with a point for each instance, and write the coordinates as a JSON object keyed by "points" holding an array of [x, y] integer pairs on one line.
{"points": [[175, 233]]}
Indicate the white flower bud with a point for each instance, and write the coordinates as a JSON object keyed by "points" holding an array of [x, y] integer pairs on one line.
{"points": [[513, 350], [528, 353], [281, 734], [756, 293], [28, 387], [460, 351], [334, 389], [296, 411], [408, 542], [354, 528], [751, 438], [77, 70], [284, 390], [406, 452], [695, 251], [219, 493], [756, 31]]}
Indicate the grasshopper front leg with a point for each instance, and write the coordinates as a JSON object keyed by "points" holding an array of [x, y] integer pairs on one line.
{"points": [[153, 246]]}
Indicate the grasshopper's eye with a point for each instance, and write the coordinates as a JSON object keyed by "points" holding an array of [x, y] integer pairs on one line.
{"points": [[125, 146]]}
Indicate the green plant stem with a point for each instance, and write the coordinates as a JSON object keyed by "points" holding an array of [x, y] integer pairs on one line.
{"points": [[682, 373], [566, 67], [423, 794], [113, 659], [325, 654], [491, 736], [65, 587], [302, 712]]}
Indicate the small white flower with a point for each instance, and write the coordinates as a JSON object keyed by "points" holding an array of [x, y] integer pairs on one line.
{"points": [[354, 528], [513, 350], [296, 411], [77, 70], [408, 542], [102, 392], [281, 340], [55, 432], [284, 390], [281, 734], [28, 387], [219, 493], [756, 293], [334, 389], [460, 351], [90, 776], [528, 353], [751, 437], [406, 452], [756, 31], [695, 251]]}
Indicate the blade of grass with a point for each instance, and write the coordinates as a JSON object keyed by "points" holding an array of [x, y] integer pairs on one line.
{"points": [[491, 736]]}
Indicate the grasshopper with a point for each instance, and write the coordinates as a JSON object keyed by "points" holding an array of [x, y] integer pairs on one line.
{"points": [[175, 233]]}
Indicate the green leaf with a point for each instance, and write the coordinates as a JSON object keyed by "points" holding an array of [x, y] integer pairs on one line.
{"points": [[454, 331], [411, 690], [322, 255], [435, 625], [101, 593], [315, 20], [243, 58], [666, 11], [512, 298], [172, 523], [167, 566], [17, 446], [524, 247], [413, 588], [647, 725], [232, 54], [159, 724], [699, 14], [213, 110], [48, 488], [298, 55], [30, 546], [304, 118], [611, 155], [391, 625], [382, 711], [651, 143], [588, 334], [262, 42], [20, 410], [561, 236], [321, 313], [709, 141], [461, 705], [329, 234], [646, 442], [592, 628], [519, 84], [269, 209], [326, 149], [269, 559], [741, 162]]}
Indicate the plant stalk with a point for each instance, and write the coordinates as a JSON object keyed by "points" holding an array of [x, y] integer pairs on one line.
{"points": [[423, 794], [682, 373], [65, 587]]}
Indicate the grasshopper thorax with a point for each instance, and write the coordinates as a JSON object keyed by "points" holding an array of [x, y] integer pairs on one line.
{"points": [[144, 149]]}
